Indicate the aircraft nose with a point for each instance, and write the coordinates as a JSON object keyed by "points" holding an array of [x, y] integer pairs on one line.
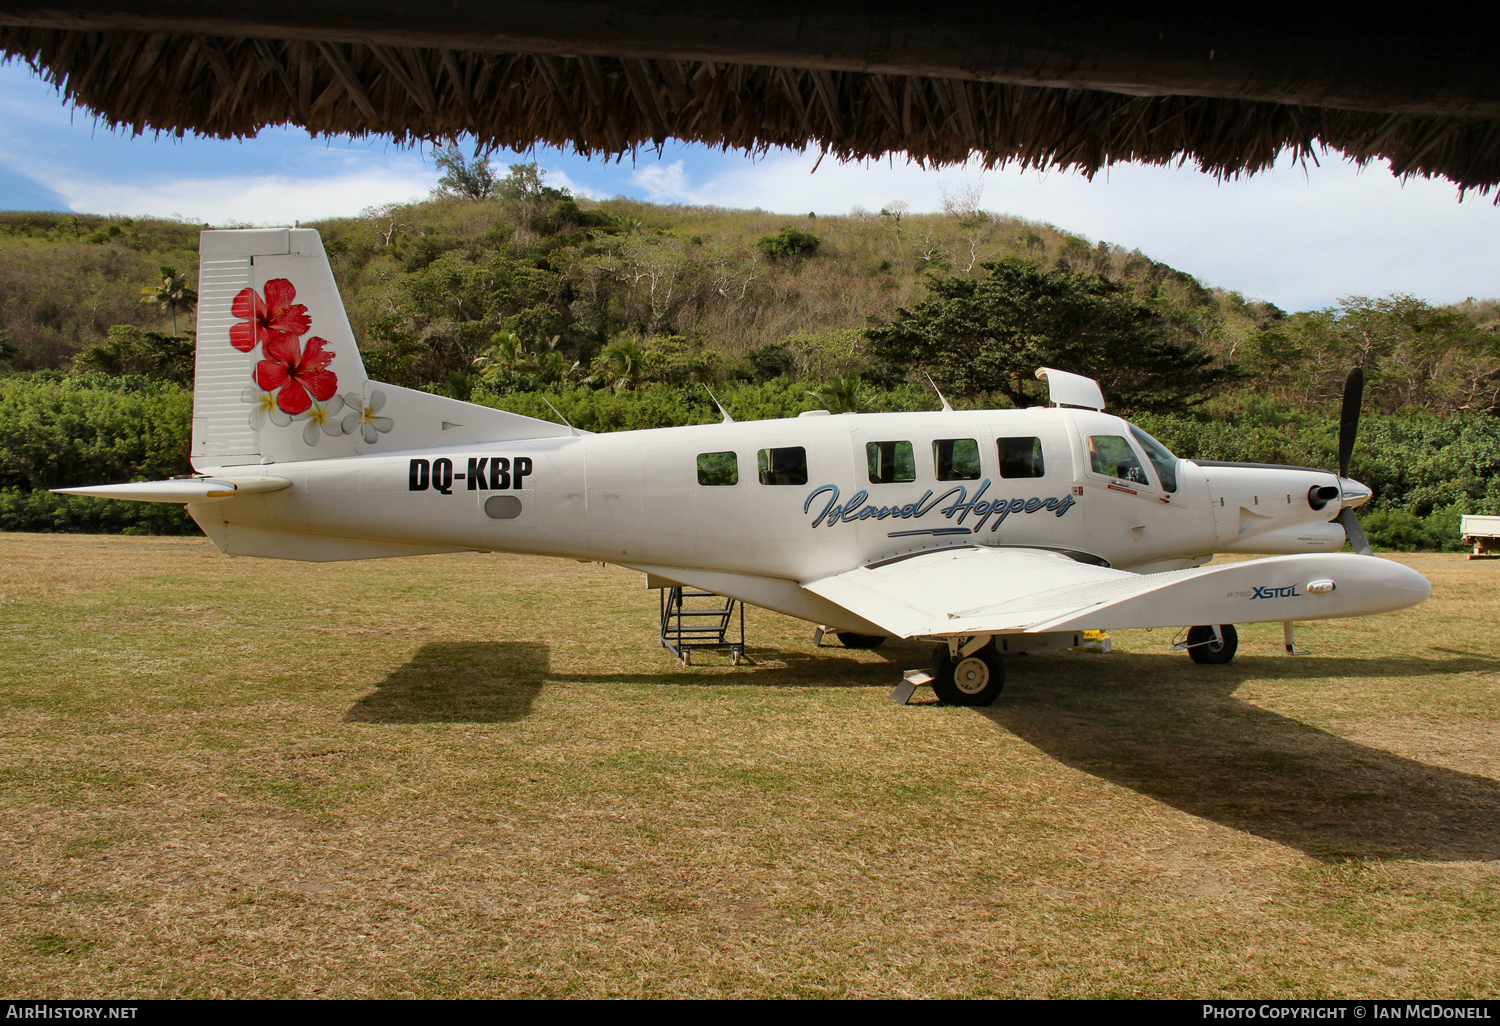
{"points": [[1354, 494]]}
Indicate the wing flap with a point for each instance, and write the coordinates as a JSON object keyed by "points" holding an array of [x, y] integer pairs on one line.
{"points": [[926, 592]]}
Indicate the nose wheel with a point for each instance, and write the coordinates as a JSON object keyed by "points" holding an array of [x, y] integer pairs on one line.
{"points": [[974, 679]]}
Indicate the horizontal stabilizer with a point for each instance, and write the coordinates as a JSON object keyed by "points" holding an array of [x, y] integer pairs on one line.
{"points": [[189, 489], [421, 420]]}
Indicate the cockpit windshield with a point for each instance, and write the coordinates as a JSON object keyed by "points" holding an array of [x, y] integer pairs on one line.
{"points": [[1161, 458]]}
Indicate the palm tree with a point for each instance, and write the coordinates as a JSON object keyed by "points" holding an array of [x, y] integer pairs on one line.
{"points": [[502, 357], [842, 395], [624, 364], [171, 294]]}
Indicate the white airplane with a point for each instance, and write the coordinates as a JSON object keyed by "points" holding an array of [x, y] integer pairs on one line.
{"points": [[986, 531]]}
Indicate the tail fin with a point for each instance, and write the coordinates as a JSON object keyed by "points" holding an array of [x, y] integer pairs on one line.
{"points": [[276, 358], [278, 375]]}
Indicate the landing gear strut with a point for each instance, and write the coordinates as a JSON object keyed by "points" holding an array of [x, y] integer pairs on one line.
{"points": [[973, 679]]}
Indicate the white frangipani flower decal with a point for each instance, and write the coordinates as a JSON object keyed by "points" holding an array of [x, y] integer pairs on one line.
{"points": [[263, 408], [320, 418], [364, 420]]}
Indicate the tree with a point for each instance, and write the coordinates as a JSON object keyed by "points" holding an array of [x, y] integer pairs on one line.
{"points": [[384, 221], [129, 350], [623, 364], [788, 244], [976, 226], [992, 333], [444, 316], [842, 394], [171, 293], [473, 179], [1413, 354]]}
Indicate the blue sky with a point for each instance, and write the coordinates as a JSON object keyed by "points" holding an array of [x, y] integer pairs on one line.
{"points": [[1300, 237]]}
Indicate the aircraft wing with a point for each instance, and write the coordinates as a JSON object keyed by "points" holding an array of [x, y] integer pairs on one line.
{"points": [[983, 590]]}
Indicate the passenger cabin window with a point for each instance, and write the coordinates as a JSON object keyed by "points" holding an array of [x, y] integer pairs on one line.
{"points": [[1161, 458], [956, 459], [718, 468], [1112, 456], [783, 466], [1021, 457], [890, 462]]}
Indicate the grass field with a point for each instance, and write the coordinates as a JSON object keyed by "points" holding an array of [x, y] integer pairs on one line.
{"points": [[480, 776]]}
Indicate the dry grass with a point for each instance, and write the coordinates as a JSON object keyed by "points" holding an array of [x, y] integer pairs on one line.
{"points": [[476, 775]]}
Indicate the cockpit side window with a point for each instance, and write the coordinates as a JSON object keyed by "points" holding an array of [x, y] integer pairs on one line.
{"points": [[1112, 456], [1161, 458]]}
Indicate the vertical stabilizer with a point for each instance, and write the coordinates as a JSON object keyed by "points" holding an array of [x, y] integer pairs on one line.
{"points": [[278, 377]]}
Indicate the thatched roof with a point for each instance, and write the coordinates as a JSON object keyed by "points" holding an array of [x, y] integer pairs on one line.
{"points": [[1077, 86]]}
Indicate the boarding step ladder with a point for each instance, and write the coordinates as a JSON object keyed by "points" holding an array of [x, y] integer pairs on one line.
{"points": [[700, 619]]}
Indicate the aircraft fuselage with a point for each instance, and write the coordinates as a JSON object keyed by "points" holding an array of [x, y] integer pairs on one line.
{"points": [[797, 498]]}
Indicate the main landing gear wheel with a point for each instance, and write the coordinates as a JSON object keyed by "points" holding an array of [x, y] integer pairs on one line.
{"points": [[1204, 648], [851, 640], [975, 679]]}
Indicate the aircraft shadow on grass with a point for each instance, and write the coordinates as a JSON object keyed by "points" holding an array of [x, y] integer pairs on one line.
{"points": [[458, 682], [1159, 725], [1177, 733]]}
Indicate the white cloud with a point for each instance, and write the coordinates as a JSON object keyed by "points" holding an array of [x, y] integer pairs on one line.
{"points": [[558, 179], [259, 200], [665, 183]]}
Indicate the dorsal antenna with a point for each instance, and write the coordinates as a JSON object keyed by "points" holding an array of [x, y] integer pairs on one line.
{"points": [[575, 431], [727, 418], [939, 391]]}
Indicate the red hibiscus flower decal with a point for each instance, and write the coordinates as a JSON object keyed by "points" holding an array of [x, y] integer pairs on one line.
{"points": [[302, 374], [265, 318]]}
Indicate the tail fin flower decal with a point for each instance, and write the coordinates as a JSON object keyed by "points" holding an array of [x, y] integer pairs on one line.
{"points": [[321, 417], [293, 381], [262, 319], [301, 373], [365, 420]]}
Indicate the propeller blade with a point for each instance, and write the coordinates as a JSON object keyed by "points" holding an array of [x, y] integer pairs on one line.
{"points": [[1354, 531], [1354, 394]]}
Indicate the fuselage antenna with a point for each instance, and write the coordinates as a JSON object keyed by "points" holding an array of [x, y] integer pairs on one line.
{"points": [[573, 430], [727, 418], [946, 407]]}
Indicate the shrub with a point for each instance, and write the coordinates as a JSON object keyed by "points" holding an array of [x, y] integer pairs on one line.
{"points": [[788, 244], [58, 432]]}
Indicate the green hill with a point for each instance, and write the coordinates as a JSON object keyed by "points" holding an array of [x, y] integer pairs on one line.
{"points": [[618, 313]]}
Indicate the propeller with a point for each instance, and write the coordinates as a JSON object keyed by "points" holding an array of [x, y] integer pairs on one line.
{"points": [[1354, 393]]}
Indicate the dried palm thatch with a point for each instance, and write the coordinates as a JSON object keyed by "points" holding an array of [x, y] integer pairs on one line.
{"points": [[232, 87]]}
